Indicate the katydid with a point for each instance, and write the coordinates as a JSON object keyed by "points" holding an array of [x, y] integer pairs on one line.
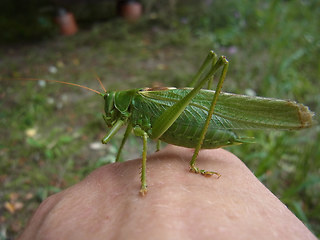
{"points": [[195, 117]]}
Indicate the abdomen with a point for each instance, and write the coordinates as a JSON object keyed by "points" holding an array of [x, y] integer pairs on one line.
{"points": [[188, 136], [186, 130]]}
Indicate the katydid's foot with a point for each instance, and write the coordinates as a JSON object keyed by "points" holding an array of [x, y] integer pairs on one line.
{"points": [[204, 172], [143, 191]]}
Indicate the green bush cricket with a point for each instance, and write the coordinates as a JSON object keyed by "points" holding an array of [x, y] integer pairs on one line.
{"points": [[195, 117]]}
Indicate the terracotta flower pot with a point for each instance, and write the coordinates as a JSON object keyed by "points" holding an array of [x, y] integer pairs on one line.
{"points": [[66, 22], [130, 10]]}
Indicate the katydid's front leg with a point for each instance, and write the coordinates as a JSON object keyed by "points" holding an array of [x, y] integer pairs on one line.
{"points": [[115, 128], [193, 168], [124, 139], [139, 132]]}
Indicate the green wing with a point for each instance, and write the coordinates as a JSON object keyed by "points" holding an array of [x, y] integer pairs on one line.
{"points": [[232, 111]]}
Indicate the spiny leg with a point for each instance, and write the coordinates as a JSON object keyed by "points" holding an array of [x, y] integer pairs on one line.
{"points": [[211, 57], [139, 132], [168, 117], [124, 139], [193, 168], [143, 189], [115, 128], [214, 61]]}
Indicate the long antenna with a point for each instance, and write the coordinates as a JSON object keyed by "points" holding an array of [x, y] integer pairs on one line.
{"points": [[101, 83], [73, 84]]}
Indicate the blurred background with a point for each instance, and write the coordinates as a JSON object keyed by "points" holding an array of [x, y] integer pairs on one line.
{"points": [[50, 133]]}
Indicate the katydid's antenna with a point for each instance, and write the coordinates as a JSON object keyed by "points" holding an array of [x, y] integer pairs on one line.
{"points": [[73, 84], [101, 83]]}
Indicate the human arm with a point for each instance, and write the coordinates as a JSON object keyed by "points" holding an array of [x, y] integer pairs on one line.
{"points": [[179, 204]]}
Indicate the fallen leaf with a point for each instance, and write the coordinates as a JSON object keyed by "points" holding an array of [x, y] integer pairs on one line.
{"points": [[31, 132], [28, 196], [17, 205], [13, 196], [9, 206]]}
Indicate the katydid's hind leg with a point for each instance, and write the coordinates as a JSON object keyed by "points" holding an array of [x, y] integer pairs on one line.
{"points": [[193, 168], [124, 139], [210, 82], [205, 173], [170, 115], [214, 61], [211, 57], [139, 132]]}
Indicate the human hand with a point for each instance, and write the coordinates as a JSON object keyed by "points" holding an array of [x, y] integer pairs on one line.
{"points": [[179, 204]]}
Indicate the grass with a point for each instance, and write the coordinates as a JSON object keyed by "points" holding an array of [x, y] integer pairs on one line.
{"points": [[53, 131]]}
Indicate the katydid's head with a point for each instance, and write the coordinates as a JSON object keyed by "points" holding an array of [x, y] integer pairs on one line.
{"points": [[110, 111], [109, 101], [117, 104]]}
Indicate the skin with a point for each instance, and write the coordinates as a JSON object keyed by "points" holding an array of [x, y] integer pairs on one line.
{"points": [[179, 204]]}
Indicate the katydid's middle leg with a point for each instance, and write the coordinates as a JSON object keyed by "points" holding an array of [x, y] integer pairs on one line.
{"points": [[124, 139], [158, 145], [139, 132], [193, 168]]}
